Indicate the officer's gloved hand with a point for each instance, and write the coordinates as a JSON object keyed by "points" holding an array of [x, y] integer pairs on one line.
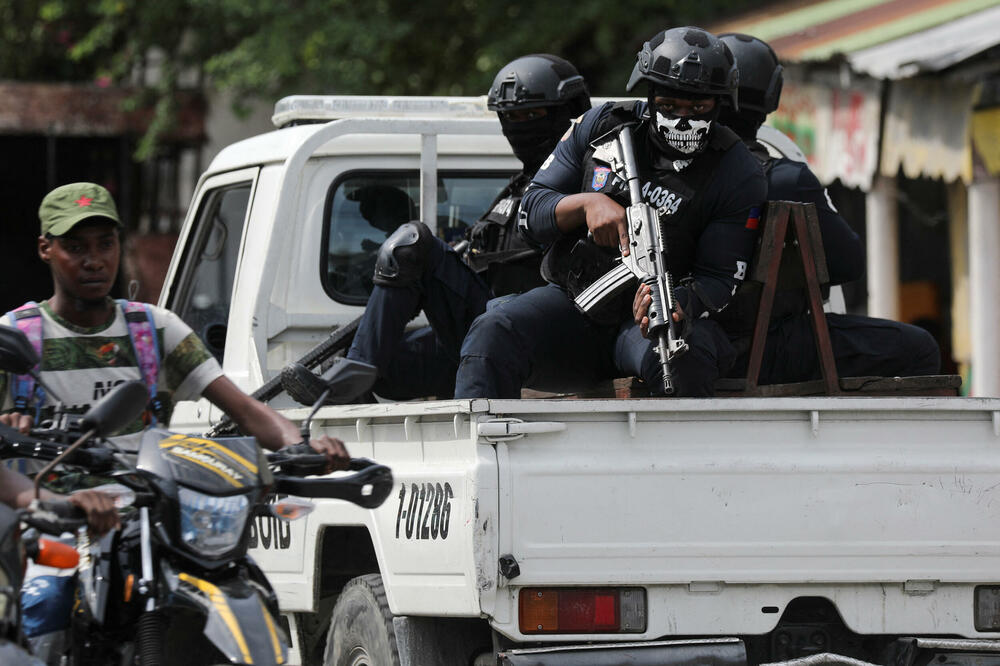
{"points": [[484, 236]]}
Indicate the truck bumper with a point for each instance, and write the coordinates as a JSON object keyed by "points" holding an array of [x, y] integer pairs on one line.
{"points": [[731, 652], [712, 652]]}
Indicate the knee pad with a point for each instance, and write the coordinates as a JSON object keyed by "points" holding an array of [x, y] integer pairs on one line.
{"points": [[403, 256]]}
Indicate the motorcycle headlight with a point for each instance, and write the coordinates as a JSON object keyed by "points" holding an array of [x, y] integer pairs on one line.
{"points": [[211, 525]]}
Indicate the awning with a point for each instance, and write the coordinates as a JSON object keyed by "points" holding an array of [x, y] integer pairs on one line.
{"points": [[926, 131], [931, 50], [952, 30], [927, 118]]}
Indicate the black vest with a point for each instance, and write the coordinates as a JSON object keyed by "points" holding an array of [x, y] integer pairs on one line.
{"points": [[510, 265], [575, 262]]}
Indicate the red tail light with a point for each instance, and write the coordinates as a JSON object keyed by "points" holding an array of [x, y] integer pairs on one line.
{"points": [[592, 610]]}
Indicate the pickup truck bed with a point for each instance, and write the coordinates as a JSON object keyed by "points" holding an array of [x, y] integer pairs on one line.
{"points": [[724, 511]]}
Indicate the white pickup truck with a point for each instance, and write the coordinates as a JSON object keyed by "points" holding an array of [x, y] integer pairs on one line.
{"points": [[660, 531]]}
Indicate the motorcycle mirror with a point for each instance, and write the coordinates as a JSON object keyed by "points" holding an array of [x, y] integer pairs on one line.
{"points": [[17, 356], [123, 405], [347, 379], [291, 508], [344, 381], [301, 383]]}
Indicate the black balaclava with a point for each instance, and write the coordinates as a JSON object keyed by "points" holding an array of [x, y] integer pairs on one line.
{"points": [[744, 123], [533, 140]]}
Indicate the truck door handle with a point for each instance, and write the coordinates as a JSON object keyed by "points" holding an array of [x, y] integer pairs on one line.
{"points": [[504, 429]]}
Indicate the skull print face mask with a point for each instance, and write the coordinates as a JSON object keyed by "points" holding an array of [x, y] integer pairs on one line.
{"points": [[686, 135]]}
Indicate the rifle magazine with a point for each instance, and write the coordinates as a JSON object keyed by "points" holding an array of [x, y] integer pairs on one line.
{"points": [[605, 287]]}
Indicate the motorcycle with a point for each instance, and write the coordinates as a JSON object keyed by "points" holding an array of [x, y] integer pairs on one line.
{"points": [[17, 546], [174, 584]]}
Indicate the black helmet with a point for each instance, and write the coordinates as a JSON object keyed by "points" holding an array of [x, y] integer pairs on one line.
{"points": [[538, 80], [687, 59], [760, 73], [531, 82]]}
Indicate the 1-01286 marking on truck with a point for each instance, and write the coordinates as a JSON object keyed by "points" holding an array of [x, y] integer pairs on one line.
{"points": [[424, 510]]}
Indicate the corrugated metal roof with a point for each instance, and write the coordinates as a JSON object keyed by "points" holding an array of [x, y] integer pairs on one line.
{"points": [[931, 50], [888, 38]]}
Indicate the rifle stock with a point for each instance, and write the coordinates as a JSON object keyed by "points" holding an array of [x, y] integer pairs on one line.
{"points": [[646, 259]]}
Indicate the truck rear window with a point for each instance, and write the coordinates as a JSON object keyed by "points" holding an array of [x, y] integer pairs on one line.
{"points": [[364, 208]]}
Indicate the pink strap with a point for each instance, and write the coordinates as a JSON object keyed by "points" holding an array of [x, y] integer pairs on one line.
{"points": [[140, 328], [25, 390]]}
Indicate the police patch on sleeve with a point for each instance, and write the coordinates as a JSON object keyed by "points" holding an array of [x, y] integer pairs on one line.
{"points": [[600, 178]]}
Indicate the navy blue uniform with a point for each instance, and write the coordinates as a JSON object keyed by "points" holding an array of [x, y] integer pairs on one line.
{"points": [[452, 294], [862, 346], [540, 339]]}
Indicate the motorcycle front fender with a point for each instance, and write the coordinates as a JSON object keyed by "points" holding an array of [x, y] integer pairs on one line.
{"points": [[238, 623]]}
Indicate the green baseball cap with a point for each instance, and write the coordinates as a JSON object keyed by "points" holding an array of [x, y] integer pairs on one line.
{"points": [[65, 206]]}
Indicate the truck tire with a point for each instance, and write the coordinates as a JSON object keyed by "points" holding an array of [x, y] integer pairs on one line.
{"points": [[361, 631]]}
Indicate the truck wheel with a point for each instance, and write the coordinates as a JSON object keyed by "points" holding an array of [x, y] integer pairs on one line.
{"points": [[361, 632]]}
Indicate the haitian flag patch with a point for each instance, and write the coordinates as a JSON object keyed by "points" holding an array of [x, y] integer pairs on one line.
{"points": [[600, 177], [754, 218]]}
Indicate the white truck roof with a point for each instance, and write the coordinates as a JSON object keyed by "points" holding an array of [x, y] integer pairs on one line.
{"points": [[299, 117]]}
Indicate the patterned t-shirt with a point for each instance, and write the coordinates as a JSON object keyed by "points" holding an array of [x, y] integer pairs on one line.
{"points": [[83, 364]]}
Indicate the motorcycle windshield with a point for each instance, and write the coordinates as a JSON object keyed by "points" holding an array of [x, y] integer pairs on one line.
{"points": [[238, 624], [215, 467]]}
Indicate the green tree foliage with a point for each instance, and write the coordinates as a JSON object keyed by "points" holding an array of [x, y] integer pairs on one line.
{"points": [[267, 48], [37, 36]]}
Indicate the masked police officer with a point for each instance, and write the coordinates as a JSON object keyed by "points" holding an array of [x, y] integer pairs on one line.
{"points": [[862, 346], [536, 97], [705, 185]]}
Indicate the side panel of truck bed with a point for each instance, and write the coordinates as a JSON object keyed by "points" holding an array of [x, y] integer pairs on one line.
{"points": [[803, 496]]}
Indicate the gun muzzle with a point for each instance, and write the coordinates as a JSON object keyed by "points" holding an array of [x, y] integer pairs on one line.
{"points": [[663, 349]]}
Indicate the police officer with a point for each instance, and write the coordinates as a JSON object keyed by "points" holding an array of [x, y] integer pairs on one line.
{"points": [[703, 182], [862, 346], [536, 97]]}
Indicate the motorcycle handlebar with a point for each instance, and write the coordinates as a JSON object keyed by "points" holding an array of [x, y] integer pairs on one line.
{"points": [[298, 460], [54, 516], [368, 487], [302, 460], [14, 444]]}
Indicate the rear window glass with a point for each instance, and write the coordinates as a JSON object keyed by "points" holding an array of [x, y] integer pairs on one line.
{"points": [[364, 208]]}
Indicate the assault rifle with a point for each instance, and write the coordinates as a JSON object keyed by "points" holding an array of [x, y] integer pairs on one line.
{"points": [[646, 259]]}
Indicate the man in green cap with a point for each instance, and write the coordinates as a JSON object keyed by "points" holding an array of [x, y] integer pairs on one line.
{"points": [[89, 343]]}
